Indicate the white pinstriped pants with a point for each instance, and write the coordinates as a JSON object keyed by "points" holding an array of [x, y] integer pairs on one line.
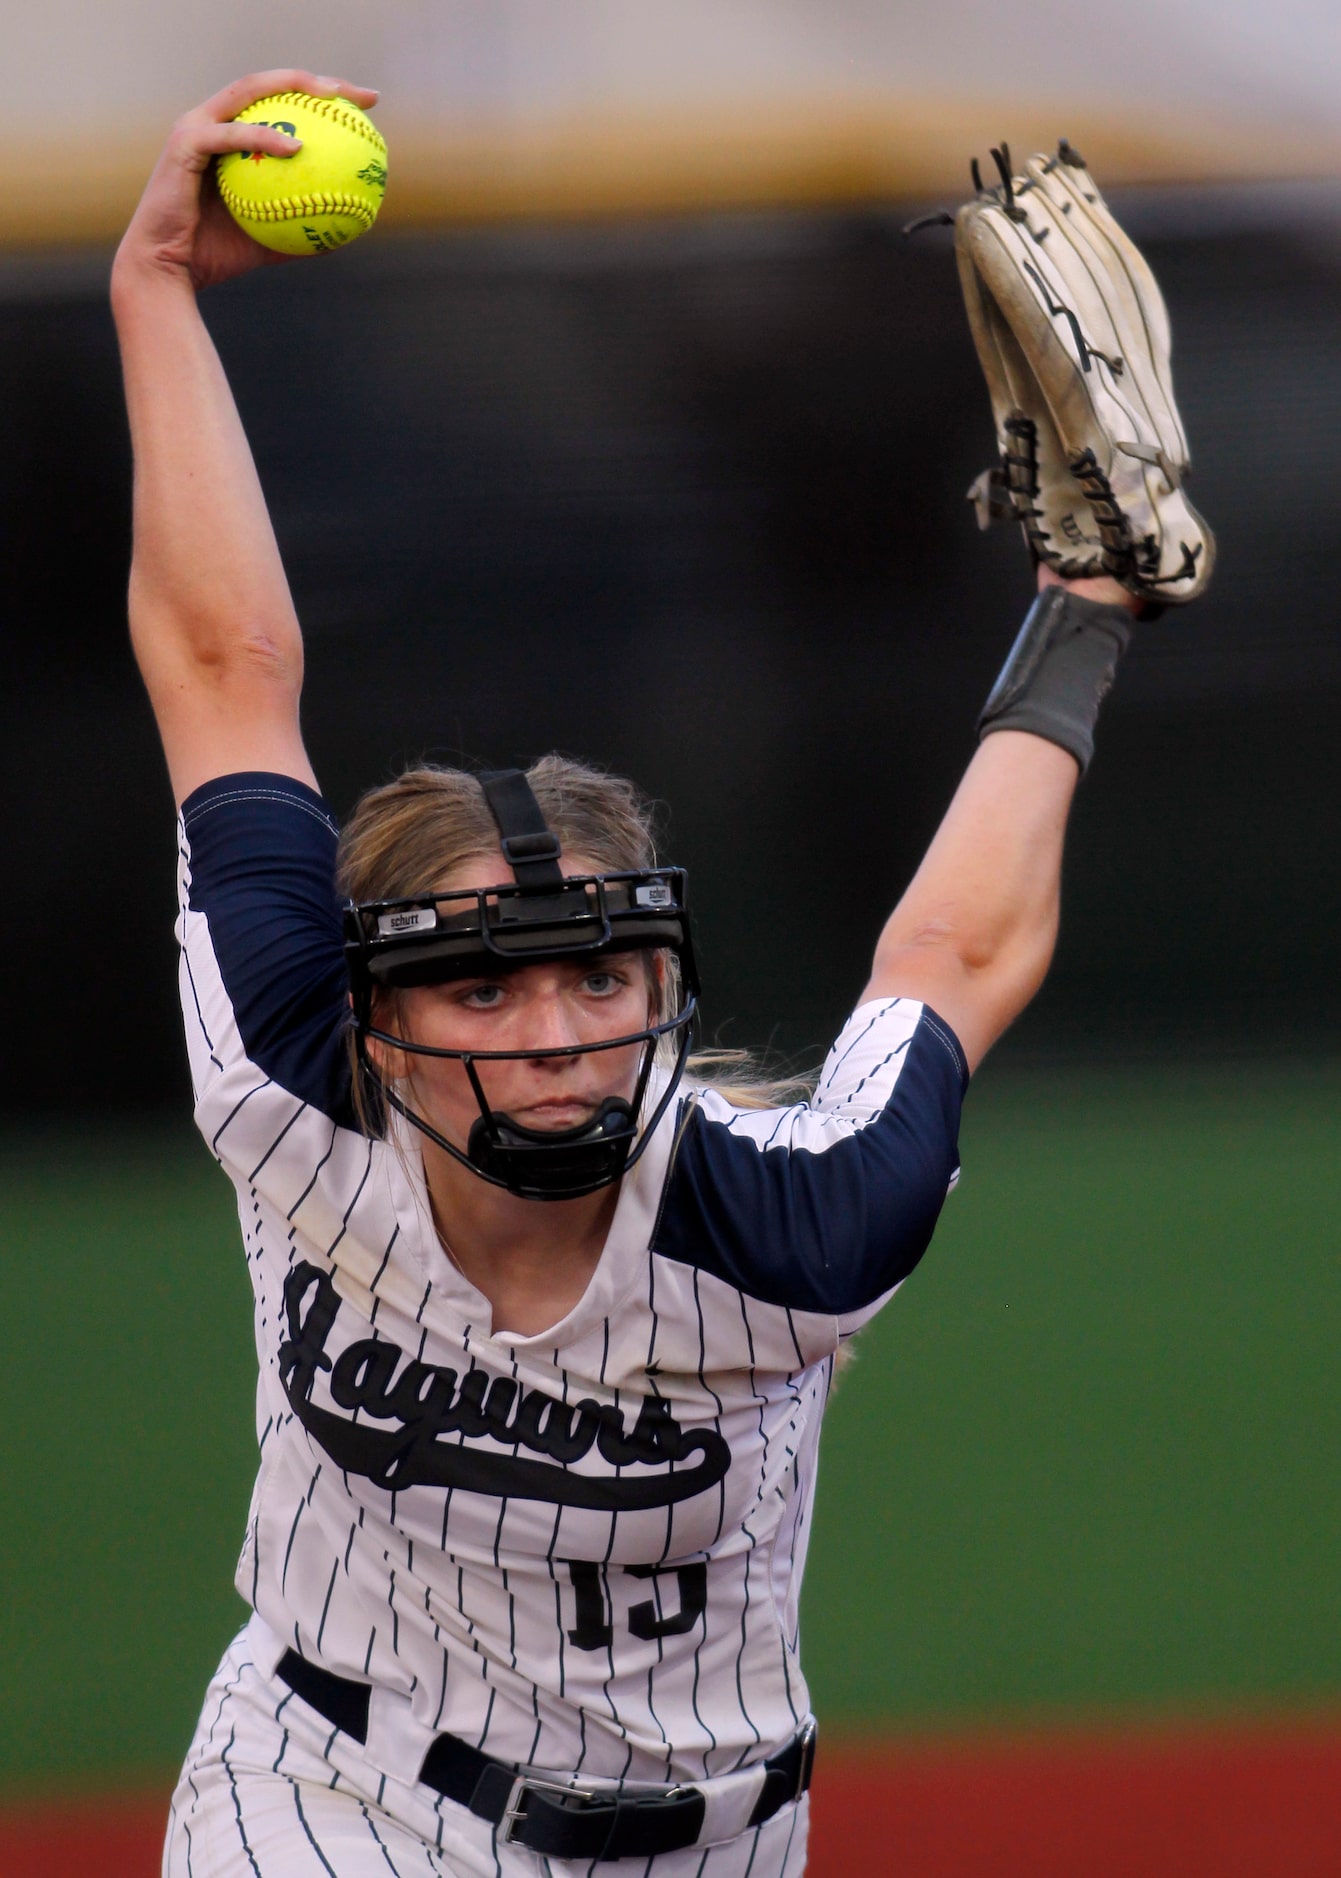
{"points": [[270, 1790]]}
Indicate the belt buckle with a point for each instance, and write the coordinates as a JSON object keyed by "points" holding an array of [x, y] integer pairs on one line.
{"points": [[514, 1813], [809, 1735]]}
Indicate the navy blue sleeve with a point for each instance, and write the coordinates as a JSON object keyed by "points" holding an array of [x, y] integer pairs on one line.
{"points": [[261, 858], [825, 1209]]}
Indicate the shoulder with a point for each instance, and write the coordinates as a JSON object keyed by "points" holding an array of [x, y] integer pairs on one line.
{"points": [[826, 1205], [264, 975], [231, 825]]}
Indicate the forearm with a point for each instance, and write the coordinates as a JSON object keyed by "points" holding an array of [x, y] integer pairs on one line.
{"points": [[974, 932], [212, 622], [209, 603]]}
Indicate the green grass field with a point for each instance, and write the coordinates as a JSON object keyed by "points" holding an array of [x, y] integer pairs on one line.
{"points": [[1088, 1457], [1086, 1460]]}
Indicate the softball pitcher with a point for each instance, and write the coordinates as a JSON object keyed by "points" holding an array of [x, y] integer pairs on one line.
{"points": [[545, 1321]]}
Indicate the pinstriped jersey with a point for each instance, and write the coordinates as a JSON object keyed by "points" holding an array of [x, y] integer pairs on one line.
{"points": [[580, 1550]]}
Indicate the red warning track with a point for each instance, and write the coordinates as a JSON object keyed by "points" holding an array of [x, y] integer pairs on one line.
{"points": [[1227, 1802], [1224, 1802]]}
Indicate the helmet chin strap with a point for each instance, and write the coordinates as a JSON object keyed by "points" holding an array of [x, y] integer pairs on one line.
{"points": [[594, 1151], [549, 1163]]}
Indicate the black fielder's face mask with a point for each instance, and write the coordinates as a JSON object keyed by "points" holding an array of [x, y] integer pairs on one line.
{"points": [[539, 916]]}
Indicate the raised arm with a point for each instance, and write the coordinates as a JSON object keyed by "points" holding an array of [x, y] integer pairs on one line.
{"points": [[973, 935], [211, 619]]}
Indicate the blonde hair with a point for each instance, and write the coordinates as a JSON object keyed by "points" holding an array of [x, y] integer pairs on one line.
{"points": [[413, 832]]}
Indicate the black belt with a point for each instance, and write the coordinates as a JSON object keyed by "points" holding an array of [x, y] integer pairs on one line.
{"points": [[545, 1816]]}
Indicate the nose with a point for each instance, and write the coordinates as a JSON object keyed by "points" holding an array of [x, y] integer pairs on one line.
{"points": [[550, 1026]]}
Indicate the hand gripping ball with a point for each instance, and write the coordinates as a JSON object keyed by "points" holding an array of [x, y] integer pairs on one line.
{"points": [[324, 195]]}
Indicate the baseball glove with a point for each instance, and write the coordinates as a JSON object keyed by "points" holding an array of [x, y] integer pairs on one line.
{"points": [[1073, 336]]}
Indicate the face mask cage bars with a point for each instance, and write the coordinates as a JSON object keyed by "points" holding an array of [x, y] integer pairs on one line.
{"points": [[412, 941]]}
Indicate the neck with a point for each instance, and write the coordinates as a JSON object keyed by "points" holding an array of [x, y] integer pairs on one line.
{"points": [[532, 1259]]}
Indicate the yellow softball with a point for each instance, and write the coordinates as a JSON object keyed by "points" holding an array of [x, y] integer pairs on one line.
{"points": [[326, 194]]}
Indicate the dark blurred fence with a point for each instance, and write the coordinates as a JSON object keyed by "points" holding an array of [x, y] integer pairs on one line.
{"points": [[687, 499]]}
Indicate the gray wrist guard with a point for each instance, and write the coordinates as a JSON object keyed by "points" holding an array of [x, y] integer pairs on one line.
{"points": [[1059, 671]]}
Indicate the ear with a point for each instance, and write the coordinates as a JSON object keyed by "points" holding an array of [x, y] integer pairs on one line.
{"points": [[391, 1064]]}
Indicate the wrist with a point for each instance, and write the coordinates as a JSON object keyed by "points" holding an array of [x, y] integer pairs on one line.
{"points": [[1060, 668], [141, 277], [1101, 588]]}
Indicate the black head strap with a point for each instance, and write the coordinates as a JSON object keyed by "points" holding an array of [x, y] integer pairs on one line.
{"points": [[530, 846]]}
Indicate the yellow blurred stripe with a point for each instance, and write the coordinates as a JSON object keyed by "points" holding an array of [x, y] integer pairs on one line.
{"points": [[815, 152]]}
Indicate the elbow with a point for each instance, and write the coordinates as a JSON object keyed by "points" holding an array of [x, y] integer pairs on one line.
{"points": [[250, 655], [215, 654], [975, 949], [978, 981], [1011, 941]]}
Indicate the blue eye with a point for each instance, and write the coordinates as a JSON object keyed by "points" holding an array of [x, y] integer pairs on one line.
{"points": [[484, 997]]}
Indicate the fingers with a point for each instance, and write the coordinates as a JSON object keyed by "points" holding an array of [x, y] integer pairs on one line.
{"points": [[236, 97], [219, 139], [196, 135], [364, 96], [193, 144]]}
